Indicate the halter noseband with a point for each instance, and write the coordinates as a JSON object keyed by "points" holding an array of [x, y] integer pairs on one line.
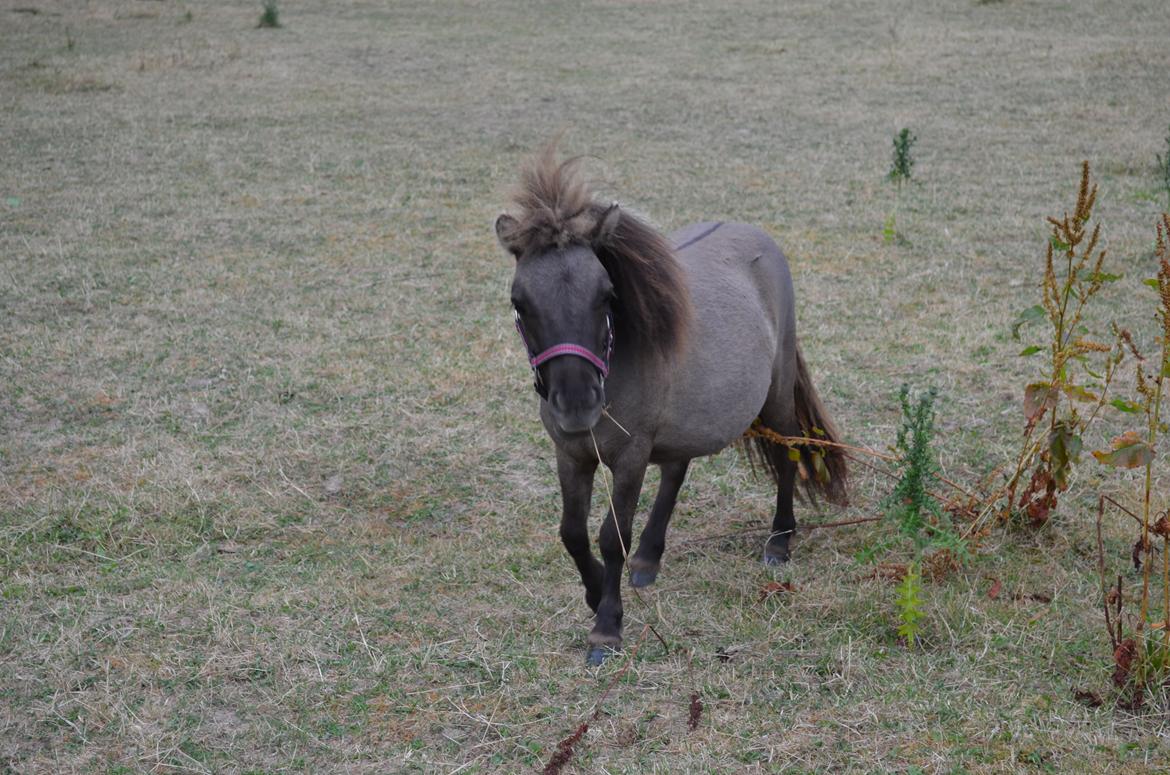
{"points": [[565, 348]]}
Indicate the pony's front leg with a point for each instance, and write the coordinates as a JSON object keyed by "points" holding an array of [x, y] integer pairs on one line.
{"points": [[576, 491], [647, 560], [614, 539]]}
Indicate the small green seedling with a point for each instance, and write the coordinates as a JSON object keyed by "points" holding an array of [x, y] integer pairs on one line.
{"points": [[271, 15]]}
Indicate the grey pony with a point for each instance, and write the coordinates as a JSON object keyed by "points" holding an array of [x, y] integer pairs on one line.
{"points": [[704, 346]]}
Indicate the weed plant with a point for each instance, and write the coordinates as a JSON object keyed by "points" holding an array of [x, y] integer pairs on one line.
{"points": [[1164, 168], [1143, 659], [1077, 365], [270, 17], [903, 162], [917, 513], [900, 171], [911, 505], [909, 604]]}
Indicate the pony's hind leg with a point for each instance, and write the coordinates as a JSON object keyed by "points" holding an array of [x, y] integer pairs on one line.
{"points": [[647, 560], [777, 550]]}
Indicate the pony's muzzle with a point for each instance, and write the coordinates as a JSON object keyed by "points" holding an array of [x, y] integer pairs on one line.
{"points": [[576, 395]]}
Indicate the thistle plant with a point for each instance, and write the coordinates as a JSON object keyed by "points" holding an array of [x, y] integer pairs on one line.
{"points": [[1146, 656], [903, 161], [918, 514], [900, 170], [1077, 365]]}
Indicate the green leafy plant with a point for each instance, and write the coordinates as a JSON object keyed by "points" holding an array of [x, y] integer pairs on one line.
{"points": [[908, 602], [917, 513], [890, 228], [1077, 365], [903, 161], [911, 504], [1164, 168], [1144, 657], [270, 17], [900, 171]]}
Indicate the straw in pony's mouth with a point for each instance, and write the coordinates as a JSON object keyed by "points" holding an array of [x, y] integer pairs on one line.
{"points": [[612, 419]]}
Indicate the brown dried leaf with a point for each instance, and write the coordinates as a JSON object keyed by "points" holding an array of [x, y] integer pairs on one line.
{"points": [[1038, 398], [1129, 451], [1161, 527], [1039, 499], [695, 713], [996, 586], [889, 571], [1123, 657], [1139, 546], [773, 587]]}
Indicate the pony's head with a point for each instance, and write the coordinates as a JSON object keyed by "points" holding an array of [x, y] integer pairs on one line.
{"points": [[589, 277], [563, 301]]}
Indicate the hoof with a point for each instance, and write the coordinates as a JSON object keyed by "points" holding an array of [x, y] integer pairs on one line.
{"points": [[774, 557], [597, 655], [776, 550], [643, 577]]}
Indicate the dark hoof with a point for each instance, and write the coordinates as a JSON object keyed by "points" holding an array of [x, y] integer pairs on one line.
{"points": [[643, 577], [597, 655], [776, 550]]}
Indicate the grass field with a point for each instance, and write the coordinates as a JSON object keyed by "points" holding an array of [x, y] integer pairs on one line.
{"points": [[273, 492]]}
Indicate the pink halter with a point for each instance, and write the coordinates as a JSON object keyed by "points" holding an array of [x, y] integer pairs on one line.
{"points": [[565, 348]]}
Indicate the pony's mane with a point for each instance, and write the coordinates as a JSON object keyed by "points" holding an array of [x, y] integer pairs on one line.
{"points": [[652, 311]]}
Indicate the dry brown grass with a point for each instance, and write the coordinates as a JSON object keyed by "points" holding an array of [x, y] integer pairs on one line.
{"points": [[273, 496]]}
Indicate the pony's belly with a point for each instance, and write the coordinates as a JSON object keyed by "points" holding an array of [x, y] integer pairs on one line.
{"points": [[723, 383], [704, 421]]}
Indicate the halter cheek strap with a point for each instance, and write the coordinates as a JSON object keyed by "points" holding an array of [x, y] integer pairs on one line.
{"points": [[557, 350]]}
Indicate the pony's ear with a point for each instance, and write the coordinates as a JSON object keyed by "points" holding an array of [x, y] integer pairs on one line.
{"points": [[507, 229], [606, 223]]}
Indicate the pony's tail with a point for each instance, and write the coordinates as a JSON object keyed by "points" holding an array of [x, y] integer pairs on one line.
{"points": [[821, 469]]}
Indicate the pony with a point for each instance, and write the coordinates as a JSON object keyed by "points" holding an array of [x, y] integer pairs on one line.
{"points": [[652, 349]]}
